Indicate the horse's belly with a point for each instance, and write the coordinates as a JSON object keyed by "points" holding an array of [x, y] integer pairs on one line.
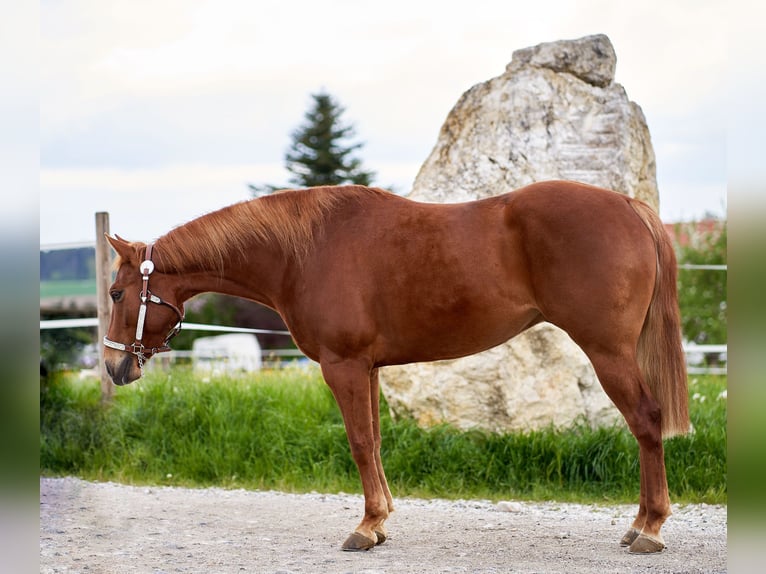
{"points": [[452, 337]]}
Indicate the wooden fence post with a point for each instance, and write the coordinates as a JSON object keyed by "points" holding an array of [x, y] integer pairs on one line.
{"points": [[103, 303]]}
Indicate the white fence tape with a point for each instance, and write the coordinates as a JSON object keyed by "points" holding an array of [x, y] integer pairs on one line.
{"points": [[93, 322]]}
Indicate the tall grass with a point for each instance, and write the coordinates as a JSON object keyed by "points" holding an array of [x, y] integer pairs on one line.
{"points": [[282, 430]]}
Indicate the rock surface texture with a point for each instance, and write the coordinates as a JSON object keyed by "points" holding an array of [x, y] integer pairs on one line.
{"points": [[555, 113]]}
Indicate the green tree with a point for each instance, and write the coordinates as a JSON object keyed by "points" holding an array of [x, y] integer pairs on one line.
{"points": [[702, 292], [60, 348], [322, 150], [218, 309], [207, 309]]}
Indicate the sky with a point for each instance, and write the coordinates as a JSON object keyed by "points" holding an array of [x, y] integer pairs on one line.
{"points": [[160, 111]]}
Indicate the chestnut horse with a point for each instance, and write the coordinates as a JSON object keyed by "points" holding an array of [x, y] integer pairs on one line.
{"points": [[364, 278]]}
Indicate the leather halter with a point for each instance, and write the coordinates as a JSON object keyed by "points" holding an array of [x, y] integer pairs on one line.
{"points": [[137, 348]]}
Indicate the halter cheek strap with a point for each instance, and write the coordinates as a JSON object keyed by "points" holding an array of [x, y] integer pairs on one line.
{"points": [[146, 268], [137, 348]]}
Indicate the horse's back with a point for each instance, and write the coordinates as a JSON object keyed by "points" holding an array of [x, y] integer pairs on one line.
{"points": [[418, 281]]}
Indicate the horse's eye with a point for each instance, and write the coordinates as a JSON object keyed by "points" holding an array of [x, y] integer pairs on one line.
{"points": [[115, 295]]}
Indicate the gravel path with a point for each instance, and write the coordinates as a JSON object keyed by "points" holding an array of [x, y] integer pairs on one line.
{"points": [[112, 528]]}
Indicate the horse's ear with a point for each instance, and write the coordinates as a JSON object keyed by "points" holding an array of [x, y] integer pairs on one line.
{"points": [[124, 249]]}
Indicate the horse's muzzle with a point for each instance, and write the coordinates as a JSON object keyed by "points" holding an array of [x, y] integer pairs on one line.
{"points": [[123, 370]]}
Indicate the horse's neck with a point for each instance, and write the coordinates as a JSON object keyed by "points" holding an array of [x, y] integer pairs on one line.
{"points": [[257, 277]]}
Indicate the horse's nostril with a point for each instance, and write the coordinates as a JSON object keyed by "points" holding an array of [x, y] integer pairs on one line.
{"points": [[122, 372], [109, 370]]}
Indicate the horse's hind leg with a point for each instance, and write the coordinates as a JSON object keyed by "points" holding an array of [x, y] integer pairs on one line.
{"points": [[621, 379], [351, 384]]}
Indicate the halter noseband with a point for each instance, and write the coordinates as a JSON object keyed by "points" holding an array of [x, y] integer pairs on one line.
{"points": [[137, 348]]}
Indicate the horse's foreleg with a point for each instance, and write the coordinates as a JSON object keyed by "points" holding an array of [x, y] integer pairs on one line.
{"points": [[624, 384], [350, 382], [375, 399]]}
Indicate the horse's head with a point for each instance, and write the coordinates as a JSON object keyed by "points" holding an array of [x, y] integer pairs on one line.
{"points": [[145, 315]]}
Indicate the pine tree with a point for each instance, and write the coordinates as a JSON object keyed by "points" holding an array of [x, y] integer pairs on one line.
{"points": [[321, 153]]}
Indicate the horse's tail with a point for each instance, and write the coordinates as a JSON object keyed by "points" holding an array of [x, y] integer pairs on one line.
{"points": [[660, 352]]}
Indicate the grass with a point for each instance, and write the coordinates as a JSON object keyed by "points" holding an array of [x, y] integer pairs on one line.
{"points": [[282, 430]]}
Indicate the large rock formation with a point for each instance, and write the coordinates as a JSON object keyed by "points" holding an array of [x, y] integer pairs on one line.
{"points": [[555, 113]]}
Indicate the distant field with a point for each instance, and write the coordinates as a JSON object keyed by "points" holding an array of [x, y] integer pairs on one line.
{"points": [[67, 288]]}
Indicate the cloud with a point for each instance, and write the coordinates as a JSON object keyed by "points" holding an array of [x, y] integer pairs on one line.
{"points": [[150, 85], [146, 203]]}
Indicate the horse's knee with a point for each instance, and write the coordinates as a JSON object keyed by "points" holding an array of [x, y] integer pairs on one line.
{"points": [[362, 450]]}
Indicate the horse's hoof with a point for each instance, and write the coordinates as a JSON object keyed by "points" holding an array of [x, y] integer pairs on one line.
{"points": [[644, 544], [629, 537], [381, 537], [357, 542]]}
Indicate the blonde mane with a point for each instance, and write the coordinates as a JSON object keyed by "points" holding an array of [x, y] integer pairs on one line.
{"points": [[290, 219]]}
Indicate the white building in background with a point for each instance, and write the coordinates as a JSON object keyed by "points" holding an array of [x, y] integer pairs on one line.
{"points": [[226, 354]]}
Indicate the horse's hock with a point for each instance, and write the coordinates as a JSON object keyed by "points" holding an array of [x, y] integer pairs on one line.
{"points": [[556, 113]]}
